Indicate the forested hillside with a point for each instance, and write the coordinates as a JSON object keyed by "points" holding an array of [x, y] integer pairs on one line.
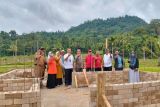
{"points": [[108, 27], [124, 33]]}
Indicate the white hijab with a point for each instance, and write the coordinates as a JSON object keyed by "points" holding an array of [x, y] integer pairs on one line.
{"points": [[49, 55]]}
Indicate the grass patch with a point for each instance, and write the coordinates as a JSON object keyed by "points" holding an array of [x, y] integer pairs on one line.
{"points": [[8, 63], [9, 67]]}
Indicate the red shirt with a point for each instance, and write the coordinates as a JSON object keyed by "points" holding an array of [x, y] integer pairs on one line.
{"points": [[98, 61], [89, 61]]}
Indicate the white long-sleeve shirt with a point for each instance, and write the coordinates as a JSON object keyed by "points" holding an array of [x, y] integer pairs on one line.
{"points": [[68, 64], [107, 59]]}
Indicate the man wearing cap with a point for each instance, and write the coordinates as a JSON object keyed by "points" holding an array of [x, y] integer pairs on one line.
{"points": [[40, 63]]}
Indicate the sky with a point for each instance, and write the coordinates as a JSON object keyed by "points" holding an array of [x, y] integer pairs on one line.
{"points": [[26, 16]]}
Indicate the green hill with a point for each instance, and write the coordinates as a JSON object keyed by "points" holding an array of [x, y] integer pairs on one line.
{"points": [[109, 26]]}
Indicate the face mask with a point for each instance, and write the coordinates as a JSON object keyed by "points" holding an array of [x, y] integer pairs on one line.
{"points": [[133, 55]]}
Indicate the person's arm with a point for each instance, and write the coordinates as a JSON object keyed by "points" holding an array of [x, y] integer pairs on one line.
{"points": [[73, 61]]}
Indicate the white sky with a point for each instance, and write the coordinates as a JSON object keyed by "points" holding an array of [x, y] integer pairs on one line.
{"points": [[26, 16]]}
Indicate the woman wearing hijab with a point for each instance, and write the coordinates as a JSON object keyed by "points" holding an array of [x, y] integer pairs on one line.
{"points": [[52, 71], [59, 68], [133, 65]]}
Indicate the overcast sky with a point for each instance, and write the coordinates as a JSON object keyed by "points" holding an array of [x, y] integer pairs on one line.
{"points": [[26, 16]]}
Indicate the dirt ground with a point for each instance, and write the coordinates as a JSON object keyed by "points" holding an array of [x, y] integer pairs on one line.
{"points": [[63, 97]]}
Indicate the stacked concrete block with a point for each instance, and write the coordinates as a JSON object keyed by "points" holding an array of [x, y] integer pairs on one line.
{"points": [[28, 98], [19, 92], [149, 76], [123, 94], [111, 77], [16, 84], [17, 73]]}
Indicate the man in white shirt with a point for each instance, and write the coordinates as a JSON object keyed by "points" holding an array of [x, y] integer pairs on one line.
{"points": [[107, 61], [68, 66]]}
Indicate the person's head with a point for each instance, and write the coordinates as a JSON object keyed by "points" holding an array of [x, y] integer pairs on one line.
{"points": [[42, 51], [97, 53], [89, 52], [50, 54], [132, 53], [116, 52], [69, 50], [78, 51], [57, 53], [107, 51], [62, 52]]}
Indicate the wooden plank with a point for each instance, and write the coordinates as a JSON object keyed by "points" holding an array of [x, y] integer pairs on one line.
{"points": [[85, 75], [76, 81], [106, 102]]}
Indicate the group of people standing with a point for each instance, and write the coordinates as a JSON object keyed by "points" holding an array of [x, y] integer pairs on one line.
{"points": [[62, 65]]}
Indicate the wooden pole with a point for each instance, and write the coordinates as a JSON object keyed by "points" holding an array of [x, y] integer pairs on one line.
{"points": [[76, 81], [106, 43], [85, 75]]}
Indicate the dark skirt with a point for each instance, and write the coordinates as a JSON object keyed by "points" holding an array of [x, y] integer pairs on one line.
{"points": [[59, 81], [51, 81]]}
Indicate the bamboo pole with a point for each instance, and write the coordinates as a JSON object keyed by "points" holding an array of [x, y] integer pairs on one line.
{"points": [[76, 81], [85, 75], [106, 43]]}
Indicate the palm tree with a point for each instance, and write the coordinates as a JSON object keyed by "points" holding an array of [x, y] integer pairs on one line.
{"points": [[13, 48]]}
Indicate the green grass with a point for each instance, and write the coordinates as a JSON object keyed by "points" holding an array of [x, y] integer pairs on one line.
{"points": [[148, 65], [6, 68]]}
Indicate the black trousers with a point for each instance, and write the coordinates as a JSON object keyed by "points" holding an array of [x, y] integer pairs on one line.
{"points": [[118, 69], [68, 76], [51, 81], [89, 69], [107, 68], [98, 69]]}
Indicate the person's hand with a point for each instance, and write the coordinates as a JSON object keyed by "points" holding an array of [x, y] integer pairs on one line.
{"points": [[69, 54], [136, 69]]}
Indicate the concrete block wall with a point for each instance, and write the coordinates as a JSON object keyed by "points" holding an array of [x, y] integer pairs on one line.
{"points": [[20, 84], [123, 94], [142, 94], [111, 77], [17, 73], [149, 76], [16, 91], [30, 98]]}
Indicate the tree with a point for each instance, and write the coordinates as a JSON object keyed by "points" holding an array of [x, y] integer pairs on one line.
{"points": [[13, 48]]}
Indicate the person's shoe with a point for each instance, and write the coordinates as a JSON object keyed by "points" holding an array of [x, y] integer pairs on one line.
{"points": [[69, 86]]}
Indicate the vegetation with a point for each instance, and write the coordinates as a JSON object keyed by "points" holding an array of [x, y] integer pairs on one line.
{"points": [[124, 33]]}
